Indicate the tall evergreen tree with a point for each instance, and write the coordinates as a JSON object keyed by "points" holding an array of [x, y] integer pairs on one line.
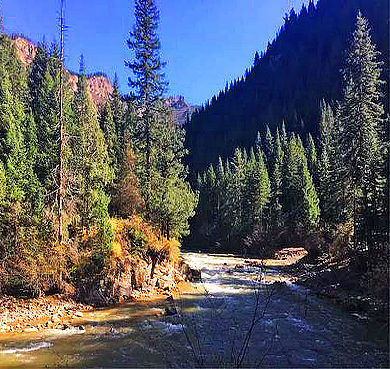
{"points": [[107, 125], [311, 154], [269, 148], [235, 190], [148, 80], [173, 200], [118, 108], [326, 166], [126, 199], [21, 192], [361, 120], [284, 137], [43, 86], [310, 209], [90, 164], [277, 211], [264, 187]]}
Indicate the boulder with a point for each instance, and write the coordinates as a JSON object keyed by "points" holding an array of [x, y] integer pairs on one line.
{"points": [[124, 286], [140, 274], [132, 278], [97, 292], [189, 274]]}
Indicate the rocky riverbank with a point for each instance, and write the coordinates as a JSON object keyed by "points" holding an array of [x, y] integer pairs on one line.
{"points": [[342, 283], [62, 312], [36, 314]]}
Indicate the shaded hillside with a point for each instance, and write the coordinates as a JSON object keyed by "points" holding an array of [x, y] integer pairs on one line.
{"points": [[287, 82]]}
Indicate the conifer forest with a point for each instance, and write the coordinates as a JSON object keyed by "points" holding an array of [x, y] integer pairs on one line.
{"points": [[72, 172], [317, 174], [296, 152]]}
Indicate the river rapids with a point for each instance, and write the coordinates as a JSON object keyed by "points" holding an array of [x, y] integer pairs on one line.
{"points": [[242, 316]]}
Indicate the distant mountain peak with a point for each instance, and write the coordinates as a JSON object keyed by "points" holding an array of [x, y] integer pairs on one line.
{"points": [[180, 108]]}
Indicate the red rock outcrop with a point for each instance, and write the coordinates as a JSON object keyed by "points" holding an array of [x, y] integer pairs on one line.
{"points": [[99, 87], [25, 49]]}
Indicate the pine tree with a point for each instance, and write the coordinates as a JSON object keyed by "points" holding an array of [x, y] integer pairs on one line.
{"points": [[43, 88], [107, 125], [235, 204], [284, 138], [310, 202], [269, 148], [277, 211], [148, 80], [126, 199], [173, 200], [360, 119], [256, 59], [20, 190], [118, 108], [258, 145], [311, 154], [300, 199], [264, 187], [326, 166], [90, 165], [253, 213]]}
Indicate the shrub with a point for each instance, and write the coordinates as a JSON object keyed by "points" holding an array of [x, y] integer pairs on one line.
{"points": [[135, 237]]}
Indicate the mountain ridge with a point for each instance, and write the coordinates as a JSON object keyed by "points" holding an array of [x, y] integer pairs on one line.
{"points": [[99, 85], [300, 67]]}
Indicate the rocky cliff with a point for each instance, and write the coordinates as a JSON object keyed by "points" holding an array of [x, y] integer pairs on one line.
{"points": [[180, 108], [99, 86]]}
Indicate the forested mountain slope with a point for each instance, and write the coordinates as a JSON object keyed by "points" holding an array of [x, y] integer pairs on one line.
{"points": [[287, 82]]}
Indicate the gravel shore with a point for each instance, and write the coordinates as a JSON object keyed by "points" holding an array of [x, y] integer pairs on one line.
{"points": [[35, 314]]}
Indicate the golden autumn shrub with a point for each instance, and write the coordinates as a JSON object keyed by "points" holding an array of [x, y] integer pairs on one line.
{"points": [[135, 237]]}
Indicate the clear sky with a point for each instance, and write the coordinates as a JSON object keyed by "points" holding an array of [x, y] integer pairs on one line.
{"points": [[205, 43]]}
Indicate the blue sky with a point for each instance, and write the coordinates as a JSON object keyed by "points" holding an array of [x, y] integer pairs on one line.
{"points": [[205, 43]]}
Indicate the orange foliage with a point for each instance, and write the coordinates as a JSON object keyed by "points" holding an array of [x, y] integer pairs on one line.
{"points": [[89, 233], [154, 241]]}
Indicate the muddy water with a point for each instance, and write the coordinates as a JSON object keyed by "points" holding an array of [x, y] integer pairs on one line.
{"points": [[214, 328]]}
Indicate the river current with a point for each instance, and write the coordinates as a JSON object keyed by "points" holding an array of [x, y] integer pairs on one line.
{"points": [[241, 317]]}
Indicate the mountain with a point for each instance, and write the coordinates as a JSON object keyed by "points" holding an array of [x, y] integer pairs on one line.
{"points": [[181, 108], [287, 82], [99, 86]]}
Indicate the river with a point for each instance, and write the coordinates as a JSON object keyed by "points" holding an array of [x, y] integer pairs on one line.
{"points": [[239, 317]]}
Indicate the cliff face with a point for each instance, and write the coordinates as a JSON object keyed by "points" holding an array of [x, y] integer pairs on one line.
{"points": [[25, 50], [180, 108], [99, 87]]}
